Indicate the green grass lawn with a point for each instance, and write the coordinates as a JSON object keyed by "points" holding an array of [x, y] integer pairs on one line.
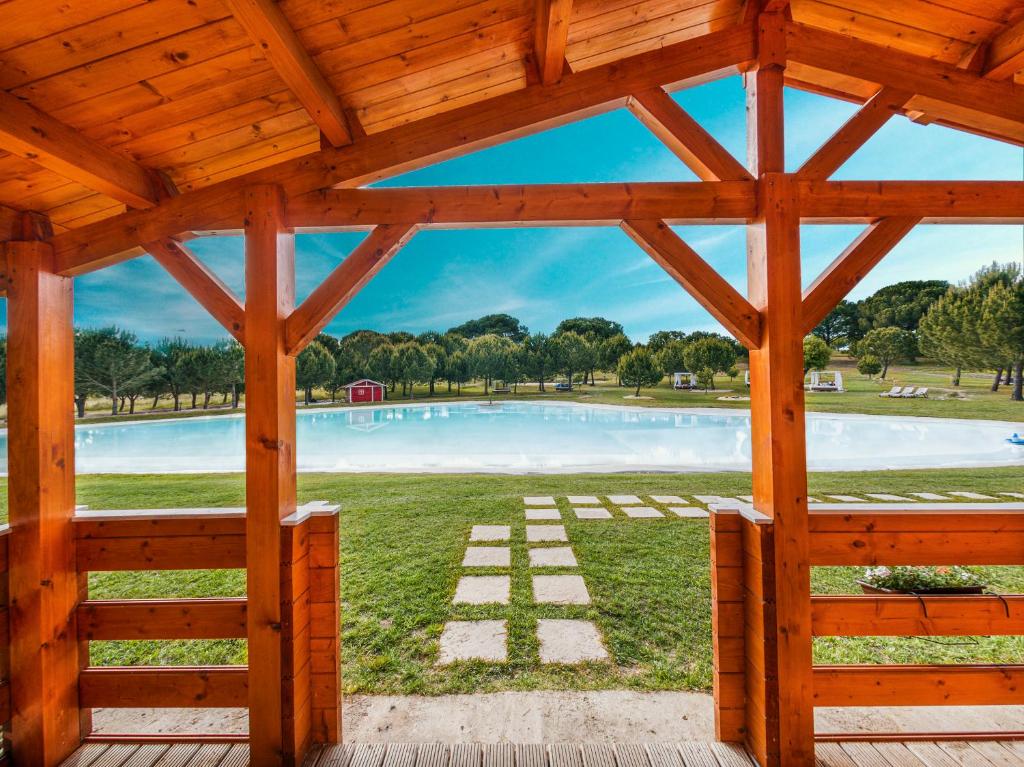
{"points": [[403, 538]]}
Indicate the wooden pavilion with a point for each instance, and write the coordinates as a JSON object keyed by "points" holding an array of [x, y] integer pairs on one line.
{"points": [[132, 126]]}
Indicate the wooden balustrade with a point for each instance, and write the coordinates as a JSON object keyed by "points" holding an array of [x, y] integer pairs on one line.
{"points": [[5, 641], [867, 535]]}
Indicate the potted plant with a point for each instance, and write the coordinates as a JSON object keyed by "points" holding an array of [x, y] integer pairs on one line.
{"points": [[921, 580]]}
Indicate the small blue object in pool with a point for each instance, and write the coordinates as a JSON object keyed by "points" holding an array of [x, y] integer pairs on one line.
{"points": [[1016, 439]]}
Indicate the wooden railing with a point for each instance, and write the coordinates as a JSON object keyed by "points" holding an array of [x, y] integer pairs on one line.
{"points": [[5, 641], [866, 535], [204, 539]]}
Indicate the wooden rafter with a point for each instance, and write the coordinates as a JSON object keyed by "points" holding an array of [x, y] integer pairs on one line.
{"points": [[708, 159], [550, 35], [347, 279], [49, 143], [202, 284], [266, 24], [1005, 53], [854, 133], [843, 274], [701, 281], [450, 134]]}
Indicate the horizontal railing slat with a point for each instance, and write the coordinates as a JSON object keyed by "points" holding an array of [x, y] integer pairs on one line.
{"points": [[895, 615], [164, 687], [870, 685], [211, 618], [183, 552]]}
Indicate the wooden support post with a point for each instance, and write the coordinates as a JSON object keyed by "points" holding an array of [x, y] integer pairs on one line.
{"points": [[780, 711], [279, 706], [727, 624], [44, 583]]}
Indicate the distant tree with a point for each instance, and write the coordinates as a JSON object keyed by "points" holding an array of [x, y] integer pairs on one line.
{"points": [[535, 358], [204, 372], [700, 335], [657, 341], [900, 305], [111, 362], [571, 353], [360, 343], [869, 365], [888, 345], [397, 337], [672, 357], [1003, 324], [459, 370], [502, 325], [380, 365], [488, 356], [438, 359], [430, 337], [412, 366], [639, 369], [713, 352], [329, 342], [232, 356], [614, 349], [817, 353], [706, 379], [314, 367], [840, 326], [590, 327], [452, 343]]}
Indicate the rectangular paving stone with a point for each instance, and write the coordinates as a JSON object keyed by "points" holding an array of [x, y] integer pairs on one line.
{"points": [[1013, 495], [667, 499], [552, 556], [569, 641], [930, 496], [583, 500], [886, 497], [473, 640], [560, 590], [483, 590], [540, 533], [713, 498], [543, 514], [691, 512], [490, 533], [487, 556], [539, 500], [812, 499], [620, 500], [641, 512], [584, 513], [845, 498], [971, 496]]}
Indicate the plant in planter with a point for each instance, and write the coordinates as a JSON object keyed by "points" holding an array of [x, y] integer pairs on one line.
{"points": [[921, 580]]}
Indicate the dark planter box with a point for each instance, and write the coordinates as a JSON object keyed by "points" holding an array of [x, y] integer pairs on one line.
{"points": [[950, 590]]}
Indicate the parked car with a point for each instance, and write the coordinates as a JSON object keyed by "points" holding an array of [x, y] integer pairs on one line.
{"points": [[563, 387]]}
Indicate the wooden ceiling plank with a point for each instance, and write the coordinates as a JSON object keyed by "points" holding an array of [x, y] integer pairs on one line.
{"points": [[839, 53], [852, 266], [270, 30], [38, 137], [202, 284], [687, 139], [344, 282], [1006, 53], [854, 133], [521, 112], [551, 33], [702, 282]]}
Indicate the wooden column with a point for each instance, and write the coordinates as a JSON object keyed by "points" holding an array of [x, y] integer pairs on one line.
{"points": [[780, 727], [279, 705], [44, 584]]}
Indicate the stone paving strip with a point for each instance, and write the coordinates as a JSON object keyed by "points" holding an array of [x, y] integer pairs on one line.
{"points": [[845, 498], [930, 496], [583, 500], [1013, 495], [714, 498], [490, 533], [667, 499], [690, 512], [539, 500], [569, 641], [541, 533], [971, 496], [641, 512], [624, 500], [474, 640], [483, 590], [534, 514], [596, 513], [560, 590], [487, 556], [887, 497], [552, 556]]}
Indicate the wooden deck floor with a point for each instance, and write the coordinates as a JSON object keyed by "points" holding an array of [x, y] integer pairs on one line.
{"points": [[685, 754]]}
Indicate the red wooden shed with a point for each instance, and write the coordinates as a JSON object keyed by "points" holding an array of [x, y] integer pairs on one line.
{"points": [[365, 390]]}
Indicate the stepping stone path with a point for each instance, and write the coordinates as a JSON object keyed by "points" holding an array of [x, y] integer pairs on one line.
{"points": [[474, 640], [930, 496], [560, 590], [886, 497], [846, 498], [541, 533], [592, 513], [1013, 495], [552, 556], [539, 500], [483, 590], [972, 496], [667, 499], [490, 533], [583, 500], [690, 512], [487, 556], [568, 641], [625, 500], [641, 512], [538, 514]]}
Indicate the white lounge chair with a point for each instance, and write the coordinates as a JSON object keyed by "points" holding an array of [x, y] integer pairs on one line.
{"points": [[893, 392], [909, 393], [921, 392]]}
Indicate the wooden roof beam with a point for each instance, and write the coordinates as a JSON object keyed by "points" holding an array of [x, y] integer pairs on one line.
{"points": [[342, 284], [266, 24], [852, 266], [550, 36], [702, 282], [677, 130], [49, 143], [854, 133], [202, 284], [1005, 53]]}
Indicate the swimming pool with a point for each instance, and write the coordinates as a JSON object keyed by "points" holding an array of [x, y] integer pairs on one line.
{"points": [[538, 437]]}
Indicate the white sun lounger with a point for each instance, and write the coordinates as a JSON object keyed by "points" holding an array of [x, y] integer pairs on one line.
{"points": [[893, 392]]}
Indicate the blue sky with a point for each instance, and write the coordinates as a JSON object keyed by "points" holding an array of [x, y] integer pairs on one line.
{"points": [[443, 278]]}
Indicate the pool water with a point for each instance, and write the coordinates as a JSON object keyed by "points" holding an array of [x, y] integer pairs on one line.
{"points": [[535, 437]]}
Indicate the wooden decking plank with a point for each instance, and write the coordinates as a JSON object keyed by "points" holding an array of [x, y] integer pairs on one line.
{"points": [[731, 755], [931, 754], [400, 755], [499, 755], [692, 754], [86, 755], [531, 755], [116, 755], [147, 755], [598, 755], [898, 754], [996, 753], [177, 755], [466, 755], [1015, 747], [237, 756], [368, 755], [632, 755], [431, 755], [209, 755], [665, 755], [832, 755], [962, 752], [338, 755], [565, 755]]}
